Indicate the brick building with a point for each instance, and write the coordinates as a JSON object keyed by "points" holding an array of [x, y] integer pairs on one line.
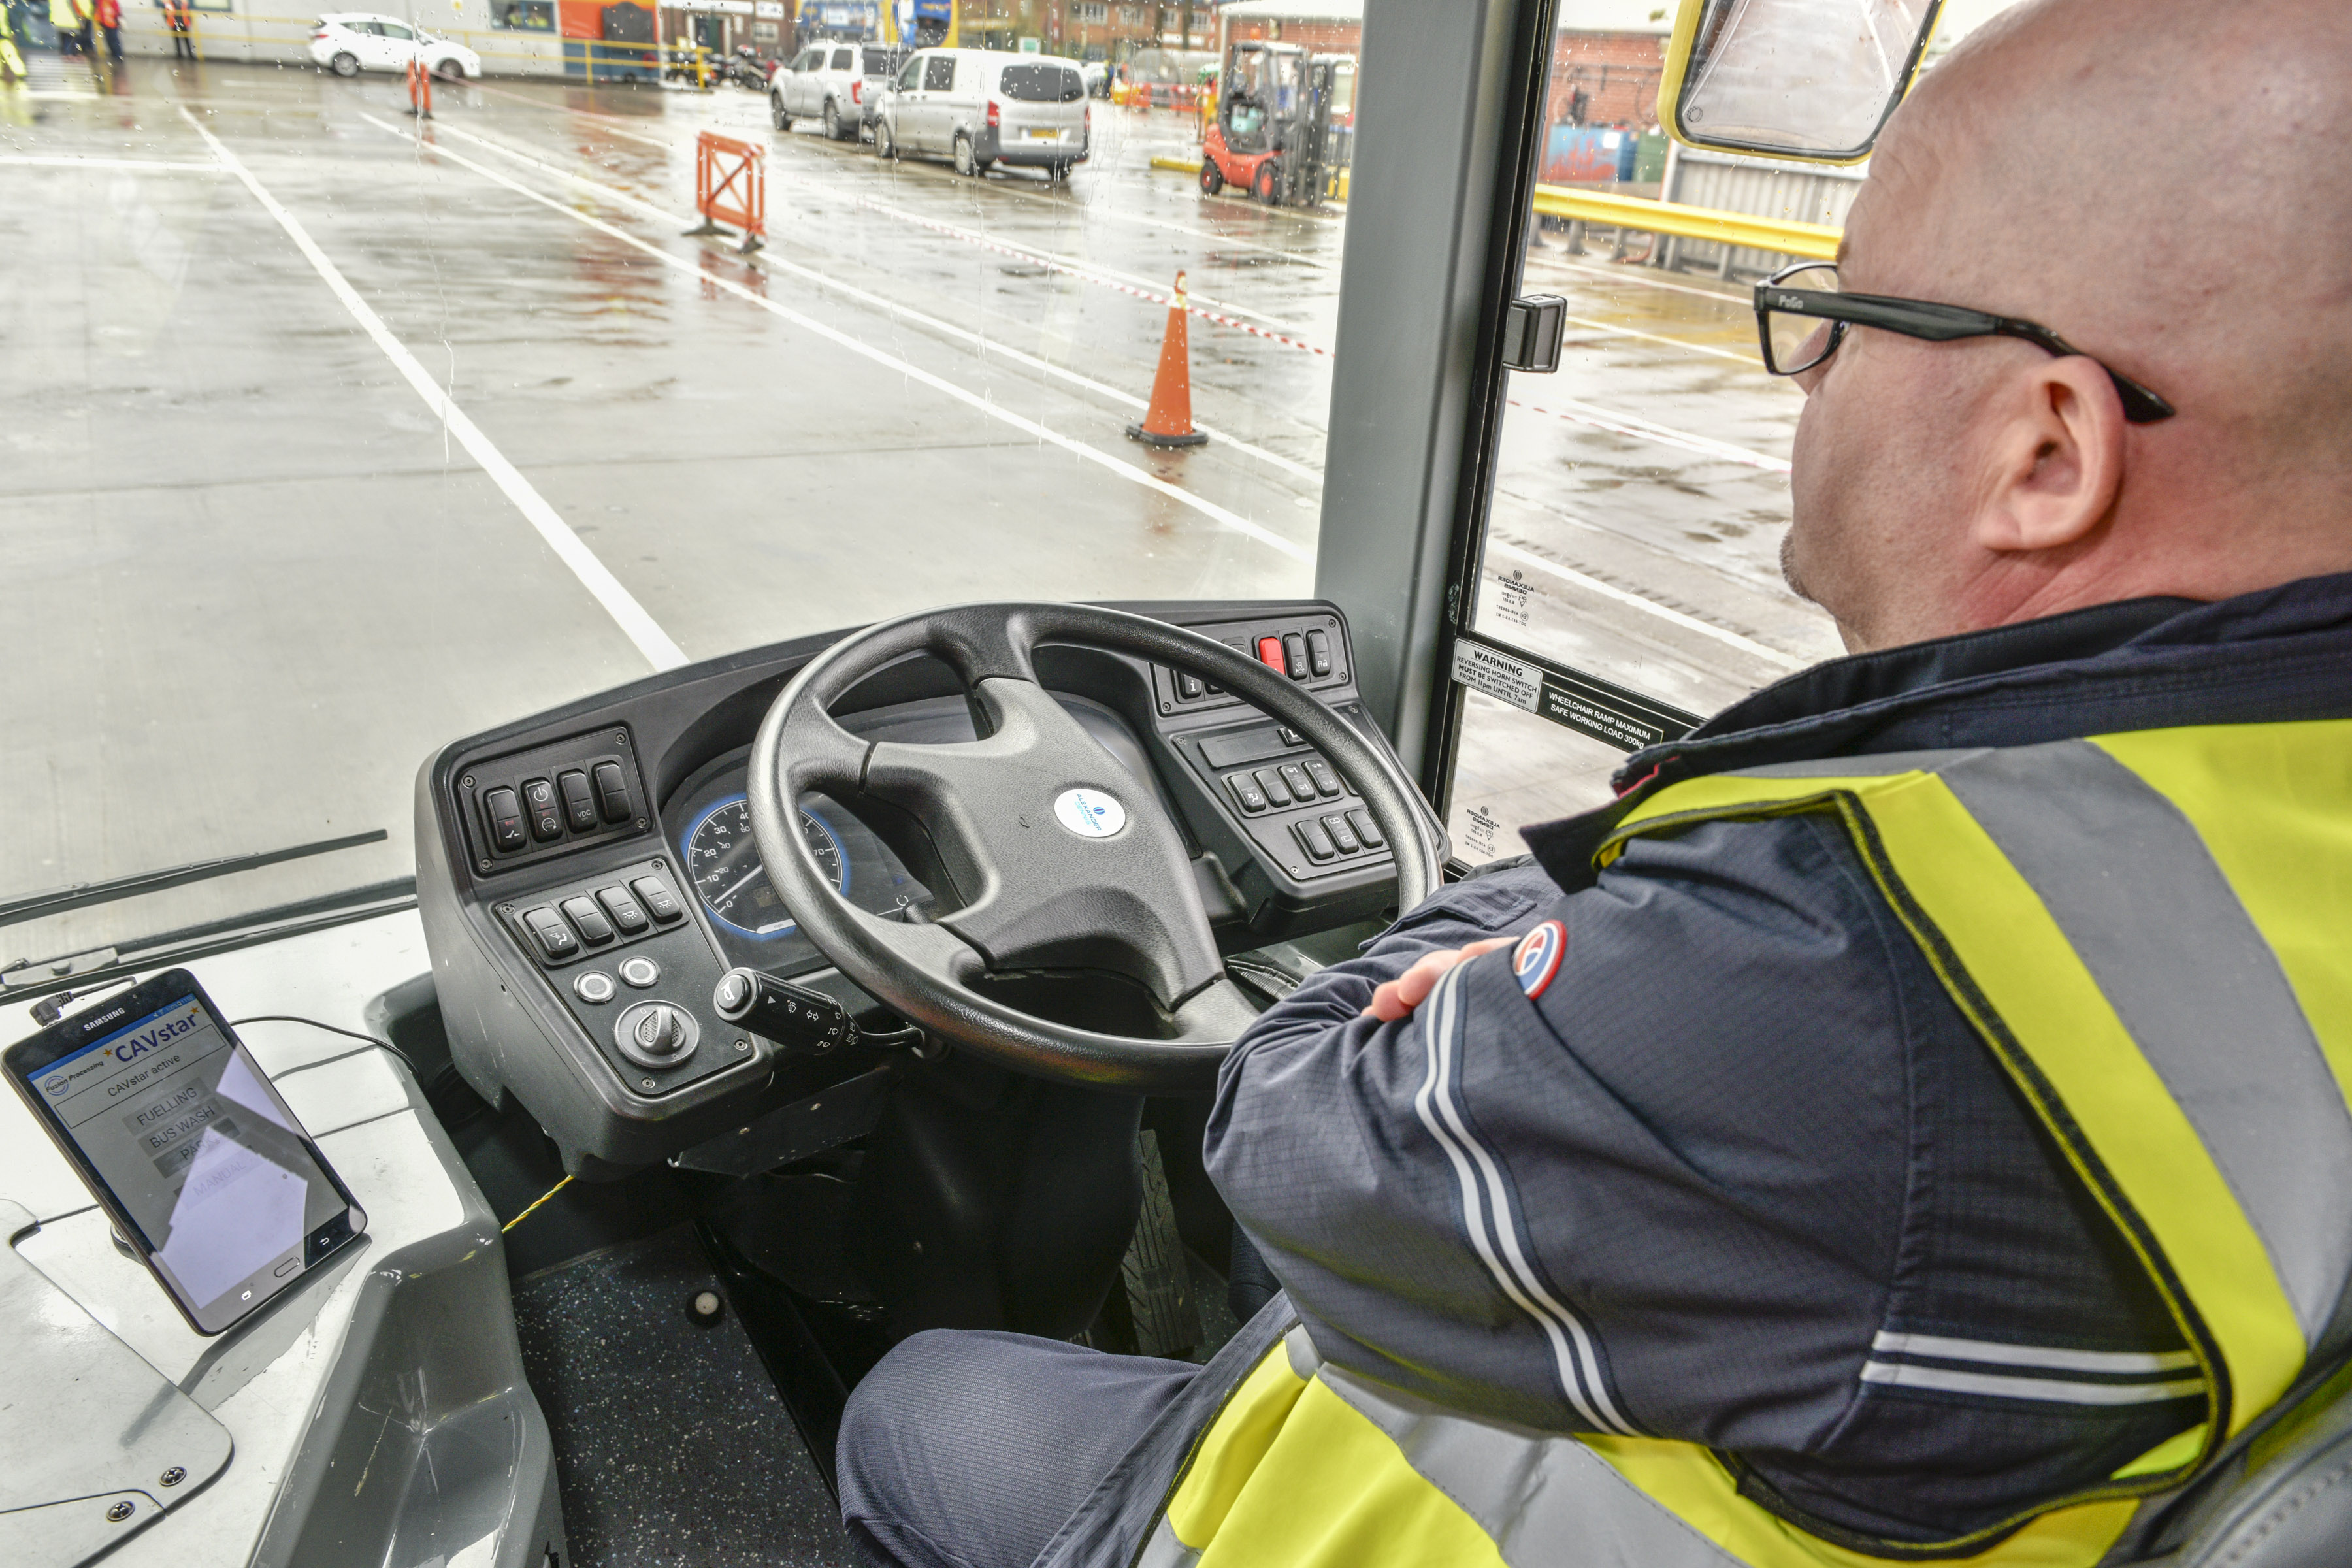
{"points": [[1323, 27], [1607, 59]]}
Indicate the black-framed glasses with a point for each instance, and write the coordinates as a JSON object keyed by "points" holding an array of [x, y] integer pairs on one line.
{"points": [[1801, 316]]}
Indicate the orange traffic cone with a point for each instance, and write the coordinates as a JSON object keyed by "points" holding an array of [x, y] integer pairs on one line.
{"points": [[1168, 421]]}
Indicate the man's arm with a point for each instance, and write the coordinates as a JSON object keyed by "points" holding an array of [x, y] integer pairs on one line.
{"points": [[1662, 1195]]}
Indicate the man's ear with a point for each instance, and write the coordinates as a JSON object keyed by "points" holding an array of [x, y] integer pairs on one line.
{"points": [[2057, 458]]}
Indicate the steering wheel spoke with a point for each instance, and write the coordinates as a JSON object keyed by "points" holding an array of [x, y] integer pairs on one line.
{"points": [[819, 754]]}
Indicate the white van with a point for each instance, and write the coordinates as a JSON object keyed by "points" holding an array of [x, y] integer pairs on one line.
{"points": [[979, 106]]}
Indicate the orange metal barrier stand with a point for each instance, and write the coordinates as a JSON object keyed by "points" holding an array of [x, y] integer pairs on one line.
{"points": [[739, 193]]}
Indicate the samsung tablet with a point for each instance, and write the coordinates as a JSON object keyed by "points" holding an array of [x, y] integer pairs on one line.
{"points": [[187, 1147]]}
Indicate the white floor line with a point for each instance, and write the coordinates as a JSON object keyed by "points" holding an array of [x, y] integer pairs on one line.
{"points": [[622, 605], [986, 345], [1635, 272], [973, 400], [1686, 346], [1600, 418], [1773, 655], [28, 160]]}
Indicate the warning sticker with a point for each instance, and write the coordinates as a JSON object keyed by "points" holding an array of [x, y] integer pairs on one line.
{"points": [[1482, 669]]}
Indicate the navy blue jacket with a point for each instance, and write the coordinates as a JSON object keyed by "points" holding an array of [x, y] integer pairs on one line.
{"points": [[1765, 1188]]}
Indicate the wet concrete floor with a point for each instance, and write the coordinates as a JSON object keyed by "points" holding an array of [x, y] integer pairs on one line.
{"points": [[250, 574]]}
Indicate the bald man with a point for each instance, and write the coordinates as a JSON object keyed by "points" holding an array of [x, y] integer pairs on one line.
{"points": [[1724, 1208]]}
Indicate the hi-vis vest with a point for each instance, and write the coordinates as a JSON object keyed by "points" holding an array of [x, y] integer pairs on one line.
{"points": [[2153, 933]]}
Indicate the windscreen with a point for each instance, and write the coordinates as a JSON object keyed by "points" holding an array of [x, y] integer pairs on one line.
{"points": [[198, 1148], [1040, 84], [337, 435], [879, 62]]}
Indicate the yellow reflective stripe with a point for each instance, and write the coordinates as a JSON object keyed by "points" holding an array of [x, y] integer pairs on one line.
{"points": [[1688, 1481], [2036, 985], [1335, 1493], [2290, 862], [1720, 794], [1236, 1442], [2180, 1448]]}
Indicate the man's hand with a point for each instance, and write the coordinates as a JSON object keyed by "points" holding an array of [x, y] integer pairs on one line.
{"points": [[1397, 998]]}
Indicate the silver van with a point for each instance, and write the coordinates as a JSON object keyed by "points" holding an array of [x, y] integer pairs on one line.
{"points": [[981, 107]]}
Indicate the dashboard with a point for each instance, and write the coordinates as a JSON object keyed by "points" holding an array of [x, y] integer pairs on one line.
{"points": [[587, 876]]}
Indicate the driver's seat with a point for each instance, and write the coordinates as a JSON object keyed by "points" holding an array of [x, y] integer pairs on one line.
{"points": [[2289, 1504]]}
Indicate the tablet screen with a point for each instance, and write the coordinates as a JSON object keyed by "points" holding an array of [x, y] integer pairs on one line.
{"points": [[199, 1150]]}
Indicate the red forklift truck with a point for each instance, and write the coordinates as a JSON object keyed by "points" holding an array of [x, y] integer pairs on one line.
{"points": [[1285, 126]]}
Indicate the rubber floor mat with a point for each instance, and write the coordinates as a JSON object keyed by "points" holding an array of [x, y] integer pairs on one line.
{"points": [[671, 1446]]}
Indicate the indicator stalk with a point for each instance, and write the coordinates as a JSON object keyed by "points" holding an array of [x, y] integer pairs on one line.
{"points": [[794, 1017]]}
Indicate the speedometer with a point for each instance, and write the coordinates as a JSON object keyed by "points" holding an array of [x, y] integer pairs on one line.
{"points": [[724, 865]]}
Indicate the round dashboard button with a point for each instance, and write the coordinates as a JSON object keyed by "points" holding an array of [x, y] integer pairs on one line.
{"points": [[640, 971], [595, 987]]}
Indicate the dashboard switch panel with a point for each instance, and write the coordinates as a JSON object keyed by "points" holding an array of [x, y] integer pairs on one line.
{"points": [[534, 805]]}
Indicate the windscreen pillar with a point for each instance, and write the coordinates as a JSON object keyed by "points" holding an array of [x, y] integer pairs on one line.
{"points": [[1436, 197]]}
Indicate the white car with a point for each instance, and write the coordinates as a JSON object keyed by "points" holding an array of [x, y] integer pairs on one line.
{"points": [[980, 107], [350, 42]]}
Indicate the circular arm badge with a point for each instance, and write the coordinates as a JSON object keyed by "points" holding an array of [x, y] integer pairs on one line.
{"points": [[1537, 958]]}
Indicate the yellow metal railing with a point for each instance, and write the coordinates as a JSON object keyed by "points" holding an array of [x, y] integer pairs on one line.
{"points": [[1744, 230]]}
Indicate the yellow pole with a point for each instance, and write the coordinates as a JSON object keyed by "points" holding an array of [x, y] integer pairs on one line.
{"points": [[890, 21], [954, 40]]}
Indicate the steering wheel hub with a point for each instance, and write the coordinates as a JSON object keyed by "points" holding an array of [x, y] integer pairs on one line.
{"points": [[1090, 813]]}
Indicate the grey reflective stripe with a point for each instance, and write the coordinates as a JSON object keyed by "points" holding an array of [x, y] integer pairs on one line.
{"points": [[1546, 1501], [1484, 1193], [1164, 1551], [2129, 880], [1883, 765], [2048, 1390], [2117, 1364], [1304, 1357]]}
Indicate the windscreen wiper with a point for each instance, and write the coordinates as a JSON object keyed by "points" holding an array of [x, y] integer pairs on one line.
{"points": [[27, 976], [83, 895]]}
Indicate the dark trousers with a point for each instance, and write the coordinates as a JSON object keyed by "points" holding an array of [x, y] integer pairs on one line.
{"points": [[184, 45], [970, 1448], [114, 42]]}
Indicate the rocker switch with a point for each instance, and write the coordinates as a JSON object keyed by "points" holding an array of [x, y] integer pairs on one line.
{"points": [[578, 809], [612, 792], [546, 818], [503, 808]]}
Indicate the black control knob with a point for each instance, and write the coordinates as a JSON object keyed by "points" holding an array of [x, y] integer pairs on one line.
{"points": [[659, 1032], [655, 1034], [794, 1017]]}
